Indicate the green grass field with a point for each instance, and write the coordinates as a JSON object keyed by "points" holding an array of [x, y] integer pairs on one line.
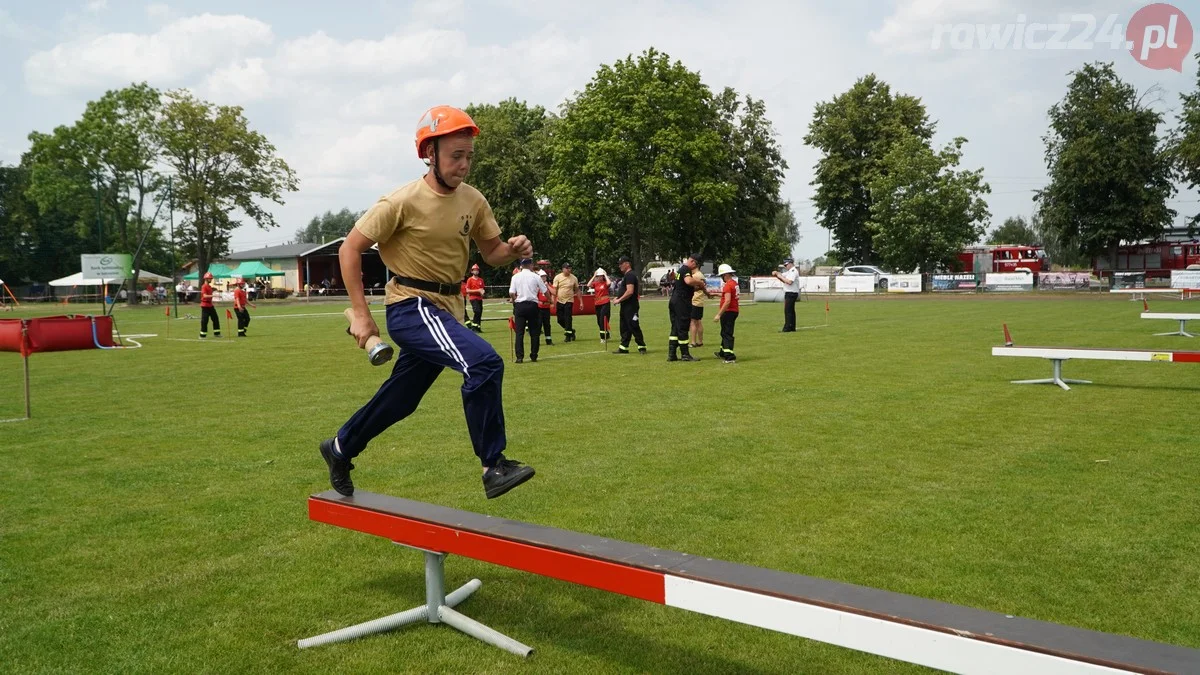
{"points": [[153, 513]]}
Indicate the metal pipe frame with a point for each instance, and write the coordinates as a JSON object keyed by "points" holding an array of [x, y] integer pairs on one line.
{"points": [[438, 608], [1057, 379]]}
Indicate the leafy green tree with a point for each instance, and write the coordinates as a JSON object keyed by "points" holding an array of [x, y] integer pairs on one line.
{"points": [[1185, 147], [1110, 175], [327, 227], [923, 210], [1061, 251], [1015, 230], [855, 131], [221, 166], [760, 229], [35, 245], [512, 158], [105, 166], [639, 163]]}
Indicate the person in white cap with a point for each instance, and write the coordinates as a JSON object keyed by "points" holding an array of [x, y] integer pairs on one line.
{"points": [[790, 278], [728, 313], [599, 284], [524, 290]]}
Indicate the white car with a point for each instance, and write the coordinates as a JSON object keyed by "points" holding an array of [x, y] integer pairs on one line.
{"points": [[881, 277]]}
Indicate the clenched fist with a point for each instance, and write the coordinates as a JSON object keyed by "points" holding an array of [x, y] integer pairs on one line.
{"points": [[520, 246]]}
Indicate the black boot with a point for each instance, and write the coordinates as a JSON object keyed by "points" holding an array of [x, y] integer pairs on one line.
{"points": [[339, 469], [506, 475]]}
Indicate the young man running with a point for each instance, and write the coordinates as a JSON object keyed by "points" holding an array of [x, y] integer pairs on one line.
{"points": [[423, 231]]}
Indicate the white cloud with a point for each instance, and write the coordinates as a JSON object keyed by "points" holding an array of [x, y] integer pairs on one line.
{"points": [[341, 107], [319, 54], [180, 49], [97, 6], [244, 81]]}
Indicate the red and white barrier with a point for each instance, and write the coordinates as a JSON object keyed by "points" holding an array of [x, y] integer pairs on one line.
{"points": [[1059, 354], [904, 627]]}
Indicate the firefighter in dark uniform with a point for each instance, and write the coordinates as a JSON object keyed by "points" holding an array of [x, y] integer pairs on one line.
{"points": [[628, 291], [680, 308]]}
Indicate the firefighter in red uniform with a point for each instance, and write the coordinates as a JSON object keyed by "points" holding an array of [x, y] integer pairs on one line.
{"points": [[207, 311], [239, 308], [475, 296]]}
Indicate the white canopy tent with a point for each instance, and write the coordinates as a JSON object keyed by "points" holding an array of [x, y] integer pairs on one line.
{"points": [[78, 280]]}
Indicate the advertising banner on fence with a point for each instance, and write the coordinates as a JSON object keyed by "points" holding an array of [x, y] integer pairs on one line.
{"points": [[1128, 280], [814, 284], [1065, 281], [1008, 281], [855, 283], [955, 282], [1185, 278], [904, 283]]}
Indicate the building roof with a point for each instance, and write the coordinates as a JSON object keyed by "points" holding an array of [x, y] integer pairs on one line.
{"points": [[283, 251]]}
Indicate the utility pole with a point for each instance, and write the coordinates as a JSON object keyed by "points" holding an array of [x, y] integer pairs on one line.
{"points": [[174, 266]]}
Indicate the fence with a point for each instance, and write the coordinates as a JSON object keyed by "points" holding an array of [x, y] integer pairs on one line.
{"points": [[770, 289]]}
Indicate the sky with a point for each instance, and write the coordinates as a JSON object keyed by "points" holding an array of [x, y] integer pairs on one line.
{"points": [[338, 87]]}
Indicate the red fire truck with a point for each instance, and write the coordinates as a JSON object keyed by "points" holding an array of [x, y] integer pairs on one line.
{"points": [[1155, 259], [1004, 258]]}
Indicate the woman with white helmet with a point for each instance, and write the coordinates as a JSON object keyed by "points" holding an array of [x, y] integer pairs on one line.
{"points": [[599, 284]]}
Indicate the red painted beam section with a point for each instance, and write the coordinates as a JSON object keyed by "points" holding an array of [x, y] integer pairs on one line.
{"points": [[1185, 357], [607, 576]]}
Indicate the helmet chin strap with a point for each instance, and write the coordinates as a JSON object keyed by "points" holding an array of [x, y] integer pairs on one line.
{"points": [[437, 173]]}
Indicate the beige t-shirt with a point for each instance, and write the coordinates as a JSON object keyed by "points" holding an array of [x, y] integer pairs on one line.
{"points": [[565, 288], [700, 294], [426, 235]]}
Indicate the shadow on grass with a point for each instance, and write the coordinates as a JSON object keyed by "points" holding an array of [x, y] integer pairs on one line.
{"points": [[551, 615], [1149, 387]]}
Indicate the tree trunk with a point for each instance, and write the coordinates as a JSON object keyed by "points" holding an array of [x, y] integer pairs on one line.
{"points": [[137, 261], [635, 250], [201, 248]]}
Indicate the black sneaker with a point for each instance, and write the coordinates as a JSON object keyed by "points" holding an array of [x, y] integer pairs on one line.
{"points": [[533, 358], [642, 351], [718, 354], [688, 357], [505, 476], [520, 359], [339, 469], [672, 358], [621, 351]]}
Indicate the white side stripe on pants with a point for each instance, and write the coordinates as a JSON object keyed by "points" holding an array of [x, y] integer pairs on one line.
{"points": [[441, 338], [446, 334]]}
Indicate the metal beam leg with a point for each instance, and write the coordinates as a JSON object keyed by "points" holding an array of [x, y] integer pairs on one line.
{"points": [[1182, 330], [1057, 379], [438, 608]]}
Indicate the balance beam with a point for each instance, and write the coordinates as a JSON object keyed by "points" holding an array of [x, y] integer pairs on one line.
{"points": [[898, 626], [1181, 318], [1059, 354], [1140, 293]]}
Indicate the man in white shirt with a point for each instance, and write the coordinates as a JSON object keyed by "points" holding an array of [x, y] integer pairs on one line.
{"points": [[523, 290], [790, 277]]}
